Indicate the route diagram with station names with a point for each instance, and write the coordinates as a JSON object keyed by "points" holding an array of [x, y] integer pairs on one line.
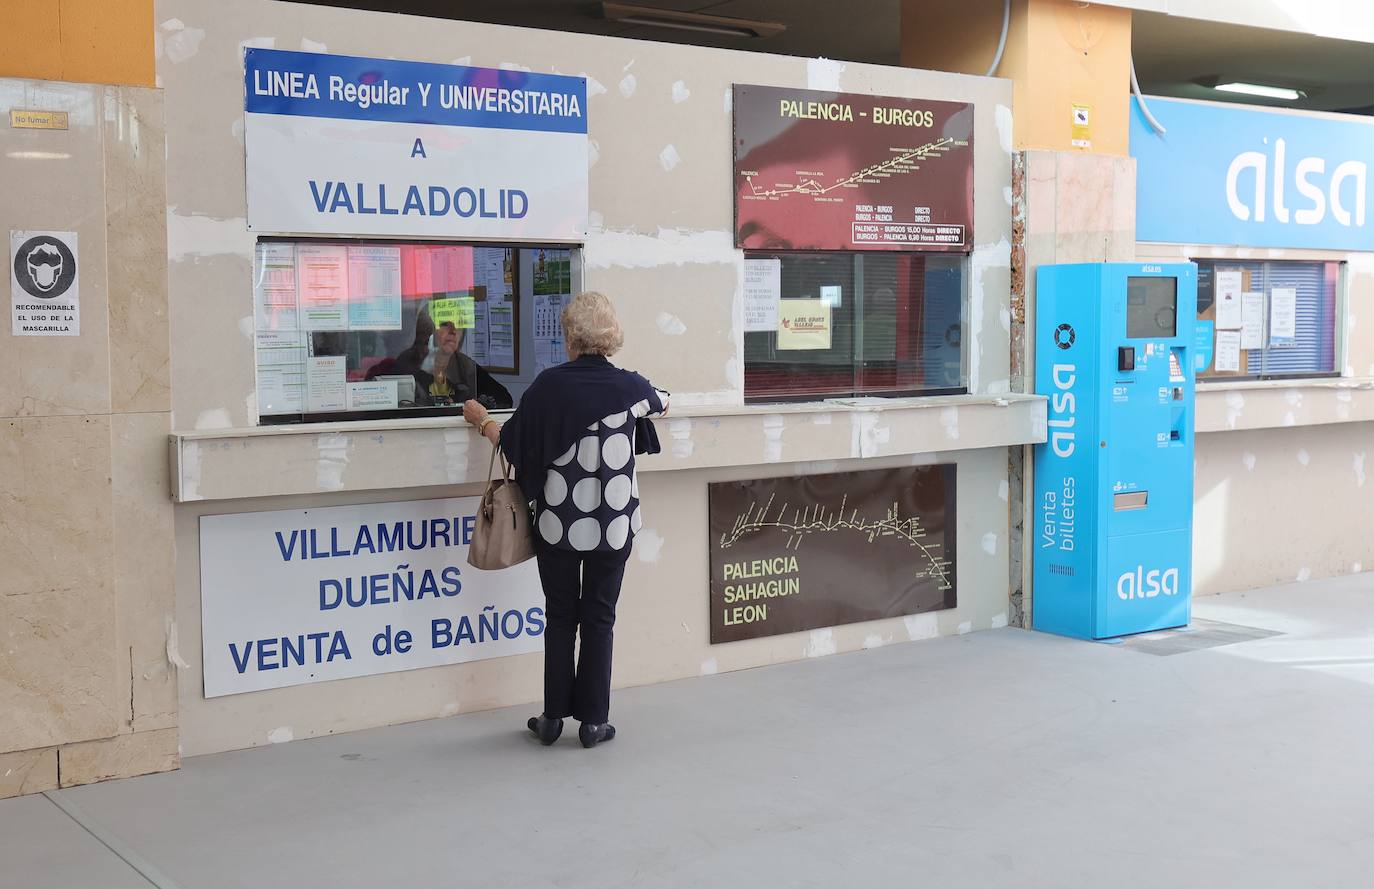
{"points": [[815, 189], [815, 519]]}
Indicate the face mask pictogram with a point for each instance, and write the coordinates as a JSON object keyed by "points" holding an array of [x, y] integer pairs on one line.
{"points": [[45, 267]]}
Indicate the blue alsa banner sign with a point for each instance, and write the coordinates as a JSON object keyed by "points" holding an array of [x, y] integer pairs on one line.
{"points": [[308, 595], [1242, 176], [350, 145]]}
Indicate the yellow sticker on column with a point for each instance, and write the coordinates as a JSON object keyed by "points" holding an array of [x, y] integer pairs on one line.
{"points": [[803, 324], [459, 311], [1081, 133], [25, 119]]}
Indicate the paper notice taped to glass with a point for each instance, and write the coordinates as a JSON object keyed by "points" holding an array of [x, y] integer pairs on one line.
{"points": [[762, 290], [1252, 321], [1283, 317], [274, 287], [803, 324], [281, 371], [374, 395], [322, 286], [374, 288], [1229, 315], [325, 381], [1228, 351], [500, 334]]}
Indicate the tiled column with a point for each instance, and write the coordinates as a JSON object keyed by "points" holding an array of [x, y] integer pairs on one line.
{"points": [[86, 594]]}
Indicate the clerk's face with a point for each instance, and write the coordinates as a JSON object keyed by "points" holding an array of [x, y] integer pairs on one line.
{"points": [[448, 338]]}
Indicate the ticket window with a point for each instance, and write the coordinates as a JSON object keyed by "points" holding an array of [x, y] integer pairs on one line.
{"points": [[839, 325], [378, 329]]}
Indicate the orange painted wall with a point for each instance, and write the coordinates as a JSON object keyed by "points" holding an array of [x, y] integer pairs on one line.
{"points": [[1059, 53], [1075, 53], [86, 41]]}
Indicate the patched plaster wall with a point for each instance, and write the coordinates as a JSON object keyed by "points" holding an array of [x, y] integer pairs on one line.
{"points": [[661, 246]]}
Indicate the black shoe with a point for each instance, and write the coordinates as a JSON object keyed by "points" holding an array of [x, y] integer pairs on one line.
{"points": [[591, 734], [545, 728]]}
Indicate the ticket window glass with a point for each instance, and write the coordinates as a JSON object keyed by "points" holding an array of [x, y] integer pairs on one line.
{"points": [[859, 324], [377, 329], [1271, 319]]}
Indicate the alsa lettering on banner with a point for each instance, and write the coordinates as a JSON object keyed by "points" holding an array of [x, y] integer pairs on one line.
{"points": [[1258, 166]]}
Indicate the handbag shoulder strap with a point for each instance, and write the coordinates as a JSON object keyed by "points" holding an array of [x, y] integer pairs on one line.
{"points": [[506, 469]]}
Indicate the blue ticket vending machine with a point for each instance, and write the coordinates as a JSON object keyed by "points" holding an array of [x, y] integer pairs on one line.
{"points": [[1113, 507]]}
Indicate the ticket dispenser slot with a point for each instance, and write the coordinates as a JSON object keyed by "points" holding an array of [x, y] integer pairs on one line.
{"points": [[1113, 483]]}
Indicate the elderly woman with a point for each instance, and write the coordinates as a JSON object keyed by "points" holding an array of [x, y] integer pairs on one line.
{"points": [[573, 443]]}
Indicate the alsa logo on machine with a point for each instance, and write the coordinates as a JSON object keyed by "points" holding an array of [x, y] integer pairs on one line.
{"points": [[1062, 409], [1142, 584]]}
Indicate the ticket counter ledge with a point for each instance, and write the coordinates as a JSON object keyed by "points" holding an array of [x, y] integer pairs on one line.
{"points": [[1273, 404], [268, 461]]}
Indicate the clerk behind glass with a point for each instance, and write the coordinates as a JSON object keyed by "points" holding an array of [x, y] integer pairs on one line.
{"points": [[456, 377], [452, 377]]}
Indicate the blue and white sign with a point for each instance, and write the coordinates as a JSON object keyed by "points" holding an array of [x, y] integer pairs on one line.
{"points": [[307, 595], [348, 145], [1233, 175]]}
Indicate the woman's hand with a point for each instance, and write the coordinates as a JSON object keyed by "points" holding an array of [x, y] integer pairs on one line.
{"points": [[478, 416], [473, 412]]}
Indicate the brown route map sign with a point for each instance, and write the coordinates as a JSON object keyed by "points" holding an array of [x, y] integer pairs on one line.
{"points": [[805, 552], [843, 171]]}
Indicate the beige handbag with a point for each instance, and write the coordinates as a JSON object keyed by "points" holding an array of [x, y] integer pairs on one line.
{"points": [[502, 537]]}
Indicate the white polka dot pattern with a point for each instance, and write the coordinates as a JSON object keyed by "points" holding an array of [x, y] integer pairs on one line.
{"points": [[555, 488], [590, 496], [618, 531], [550, 528], [589, 453], [585, 534], [618, 492], [587, 494], [617, 451]]}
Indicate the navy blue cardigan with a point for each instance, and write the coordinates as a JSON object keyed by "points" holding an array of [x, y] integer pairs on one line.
{"points": [[560, 404]]}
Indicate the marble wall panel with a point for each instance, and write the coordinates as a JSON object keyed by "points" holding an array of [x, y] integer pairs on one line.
{"points": [[136, 226], [58, 666]]}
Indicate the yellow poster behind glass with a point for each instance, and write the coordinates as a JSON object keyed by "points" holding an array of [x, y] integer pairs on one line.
{"points": [[803, 324], [459, 311]]}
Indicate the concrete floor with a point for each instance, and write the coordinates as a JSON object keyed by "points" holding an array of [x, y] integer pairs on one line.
{"points": [[1001, 758]]}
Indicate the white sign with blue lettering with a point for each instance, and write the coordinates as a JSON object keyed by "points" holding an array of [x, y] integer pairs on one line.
{"points": [[1242, 176], [308, 595], [349, 145]]}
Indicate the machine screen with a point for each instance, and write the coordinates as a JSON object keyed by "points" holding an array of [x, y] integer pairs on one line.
{"points": [[1151, 307]]}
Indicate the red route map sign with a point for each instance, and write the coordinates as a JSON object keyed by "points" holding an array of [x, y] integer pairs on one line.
{"points": [[844, 171]]}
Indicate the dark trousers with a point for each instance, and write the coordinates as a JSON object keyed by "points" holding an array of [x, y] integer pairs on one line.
{"points": [[580, 592]]}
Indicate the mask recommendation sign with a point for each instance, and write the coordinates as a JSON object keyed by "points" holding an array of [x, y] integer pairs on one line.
{"points": [[307, 595], [45, 292], [349, 145]]}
